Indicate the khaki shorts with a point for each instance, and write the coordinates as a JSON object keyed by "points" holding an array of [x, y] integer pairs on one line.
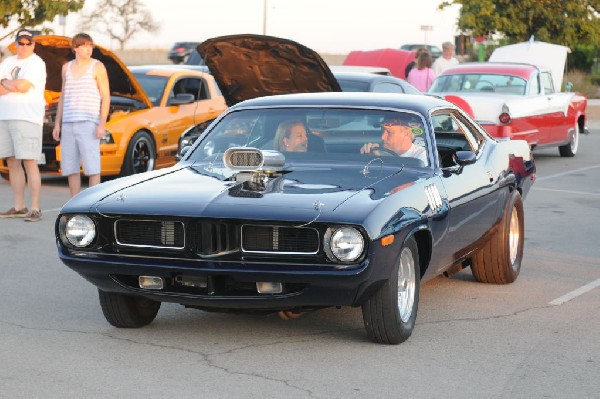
{"points": [[20, 139]]}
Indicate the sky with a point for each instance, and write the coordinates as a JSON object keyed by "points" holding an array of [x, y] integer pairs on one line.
{"points": [[328, 26]]}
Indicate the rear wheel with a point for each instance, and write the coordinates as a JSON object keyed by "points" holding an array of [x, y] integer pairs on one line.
{"points": [[499, 261], [389, 315], [570, 149], [126, 311], [140, 156]]}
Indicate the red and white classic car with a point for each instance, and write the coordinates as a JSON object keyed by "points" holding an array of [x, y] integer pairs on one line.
{"points": [[517, 95]]}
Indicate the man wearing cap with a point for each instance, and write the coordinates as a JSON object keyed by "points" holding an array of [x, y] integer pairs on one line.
{"points": [[398, 136], [22, 106]]}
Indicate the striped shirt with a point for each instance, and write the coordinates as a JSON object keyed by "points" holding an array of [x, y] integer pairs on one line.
{"points": [[81, 100]]}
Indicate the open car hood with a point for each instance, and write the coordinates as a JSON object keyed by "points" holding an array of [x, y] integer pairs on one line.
{"points": [[249, 66], [541, 54], [56, 50]]}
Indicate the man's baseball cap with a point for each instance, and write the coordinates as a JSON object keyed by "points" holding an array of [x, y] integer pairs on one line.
{"points": [[24, 34], [401, 119]]}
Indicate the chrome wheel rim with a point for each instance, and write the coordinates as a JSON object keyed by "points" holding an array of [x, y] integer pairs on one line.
{"points": [[575, 141], [514, 236], [406, 284]]}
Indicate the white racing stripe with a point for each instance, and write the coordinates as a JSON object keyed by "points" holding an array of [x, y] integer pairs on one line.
{"points": [[576, 293]]}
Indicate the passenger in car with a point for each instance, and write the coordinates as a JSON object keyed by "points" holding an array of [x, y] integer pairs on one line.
{"points": [[291, 136], [398, 136]]}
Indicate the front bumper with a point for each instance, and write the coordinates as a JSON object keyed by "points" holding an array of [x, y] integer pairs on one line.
{"points": [[232, 285]]}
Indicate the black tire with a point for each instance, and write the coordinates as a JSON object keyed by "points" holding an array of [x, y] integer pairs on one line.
{"points": [[389, 318], [570, 149], [140, 156], [124, 311], [499, 261]]}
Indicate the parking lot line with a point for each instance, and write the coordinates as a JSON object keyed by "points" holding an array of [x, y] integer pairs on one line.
{"points": [[576, 293]]}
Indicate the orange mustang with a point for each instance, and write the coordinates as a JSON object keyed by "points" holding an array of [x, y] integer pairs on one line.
{"points": [[150, 107]]}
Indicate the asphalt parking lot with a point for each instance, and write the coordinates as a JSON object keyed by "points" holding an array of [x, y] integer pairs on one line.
{"points": [[536, 338]]}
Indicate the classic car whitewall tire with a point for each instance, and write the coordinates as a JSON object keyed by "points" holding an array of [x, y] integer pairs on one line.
{"points": [[389, 315], [569, 150], [499, 261], [126, 311], [140, 156]]}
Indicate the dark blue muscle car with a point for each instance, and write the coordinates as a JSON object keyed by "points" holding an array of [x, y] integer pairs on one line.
{"points": [[243, 222]]}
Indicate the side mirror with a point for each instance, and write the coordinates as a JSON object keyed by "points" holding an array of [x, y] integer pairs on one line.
{"points": [[182, 98], [463, 158]]}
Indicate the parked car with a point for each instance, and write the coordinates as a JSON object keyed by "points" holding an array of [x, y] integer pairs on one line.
{"points": [[180, 51], [150, 108], [360, 68], [433, 50], [250, 227], [520, 99], [395, 60], [369, 82]]}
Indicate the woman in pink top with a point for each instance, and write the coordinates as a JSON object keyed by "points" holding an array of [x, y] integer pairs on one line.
{"points": [[422, 76]]}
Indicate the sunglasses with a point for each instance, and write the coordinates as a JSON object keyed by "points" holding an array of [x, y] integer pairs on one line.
{"points": [[24, 43]]}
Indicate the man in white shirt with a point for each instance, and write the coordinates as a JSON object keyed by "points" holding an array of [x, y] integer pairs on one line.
{"points": [[22, 107], [398, 136], [446, 60]]}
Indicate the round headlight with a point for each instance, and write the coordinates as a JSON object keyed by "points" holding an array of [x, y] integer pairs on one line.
{"points": [[346, 244], [80, 231]]}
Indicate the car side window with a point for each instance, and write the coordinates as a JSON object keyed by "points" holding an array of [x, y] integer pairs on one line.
{"points": [[547, 83], [534, 85], [194, 86], [452, 134]]}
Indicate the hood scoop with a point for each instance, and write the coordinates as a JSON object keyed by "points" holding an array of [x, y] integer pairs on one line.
{"points": [[254, 167]]}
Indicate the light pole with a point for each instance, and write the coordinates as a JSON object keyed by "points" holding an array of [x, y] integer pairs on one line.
{"points": [[264, 17]]}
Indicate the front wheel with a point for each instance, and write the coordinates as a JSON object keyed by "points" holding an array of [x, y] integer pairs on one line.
{"points": [[569, 150], [389, 315], [499, 261], [124, 311], [140, 156]]}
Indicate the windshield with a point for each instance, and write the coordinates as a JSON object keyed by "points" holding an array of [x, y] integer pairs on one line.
{"points": [[321, 135], [154, 86], [473, 82]]}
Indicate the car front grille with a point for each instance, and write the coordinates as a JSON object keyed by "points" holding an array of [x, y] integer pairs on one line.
{"points": [[213, 238], [210, 238], [150, 233], [280, 239]]}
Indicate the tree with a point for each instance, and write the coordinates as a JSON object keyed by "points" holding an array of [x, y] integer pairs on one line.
{"points": [[561, 22], [29, 13], [120, 19]]}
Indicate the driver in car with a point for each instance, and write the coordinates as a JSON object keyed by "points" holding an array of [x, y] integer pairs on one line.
{"points": [[398, 136]]}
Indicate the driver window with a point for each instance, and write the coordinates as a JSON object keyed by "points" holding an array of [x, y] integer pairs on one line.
{"points": [[193, 86], [451, 135]]}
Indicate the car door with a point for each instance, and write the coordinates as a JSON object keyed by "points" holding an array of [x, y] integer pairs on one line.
{"points": [[472, 189], [175, 118], [556, 112], [539, 111]]}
